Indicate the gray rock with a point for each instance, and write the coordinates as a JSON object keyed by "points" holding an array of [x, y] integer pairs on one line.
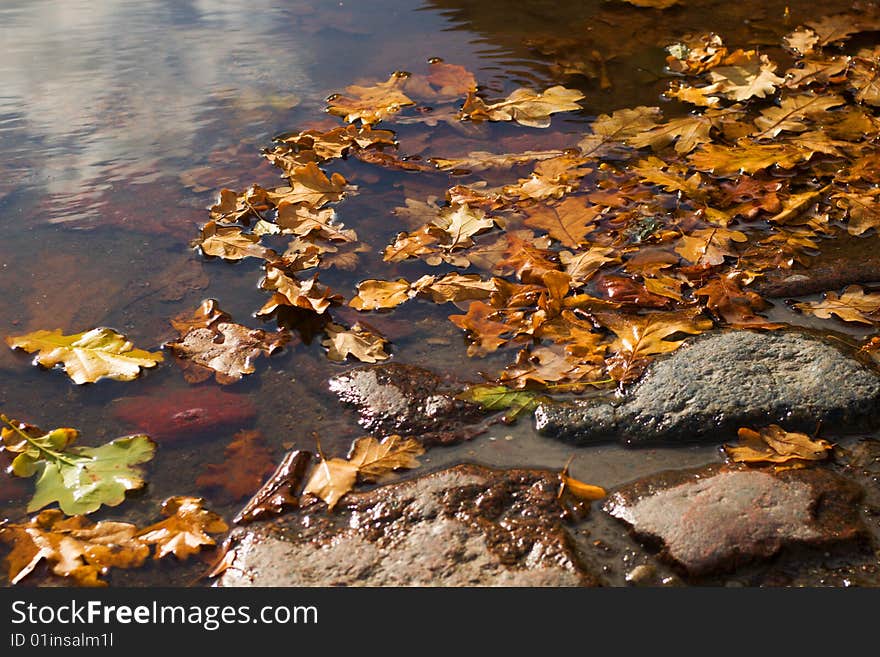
{"points": [[720, 381], [714, 519], [465, 526], [408, 400]]}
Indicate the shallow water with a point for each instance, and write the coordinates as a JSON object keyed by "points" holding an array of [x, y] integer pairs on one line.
{"points": [[121, 120]]}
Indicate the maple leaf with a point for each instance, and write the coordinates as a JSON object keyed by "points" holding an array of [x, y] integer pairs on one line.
{"points": [[773, 444], [73, 547], [642, 336], [368, 459], [247, 462], [280, 491], [747, 157], [89, 356], [185, 530], [793, 113], [375, 294], [709, 246], [230, 243], [567, 222], [311, 186], [852, 305], [79, 479], [525, 106], [371, 104], [502, 398], [288, 291], [687, 132], [610, 130], [484, 332], [862, 208], [359, 341]]}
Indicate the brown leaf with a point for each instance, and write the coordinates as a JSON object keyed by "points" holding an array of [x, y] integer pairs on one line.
{"points": [[582, 265], [687, 132], [611, 130], [831, 70], [454, 288], [247, 462], [865, 76], [773, 444], [863, 210], [726, 298], [280, 491], [793, 113], [484, 333], [359, 341], [375, 294], [230, 243], [231, 207], [747, 157], [525, 106], [371, 104], [185, 529], [443, 83], [567, 222], [303, 220], [288, 291], [709, 246], [311, 186], [852, 305], [483, 160]]}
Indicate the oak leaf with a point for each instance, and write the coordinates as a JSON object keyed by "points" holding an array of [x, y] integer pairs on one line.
{"points": [[750, 77], [375, 294], [687, 132], [247, 462], [484, 332], [454, 288], [852, 305], [371, 104], [525, 106], [306, 221], [89, 356], [230, 243], [483, 160], [773, 444], [747, 157], [609, 131], [582, 265], [709, 246], [232, 207], [359, 341], [185, 530], [831, 70], [865, 76], [288, 291], [567, 222], [311, 186], [443, 82], [280, 491], [736, 306], [793, 113], [862, 209]]}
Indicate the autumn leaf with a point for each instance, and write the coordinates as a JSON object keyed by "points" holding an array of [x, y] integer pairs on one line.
{"points": [[371, 104], [89, 356], [611, 130], [443, 83], [862, 209], [567, 222], [483, 160], [525, 106], [306, 221], [368, 460], [709, 246], [73, 547], [793, 113], [461, 222], [747, 157], [582, 491], [554, 365], [232, 207], [297, 150], [280, 491], [501, 398], [642, 336], [231, 243], [185, 530], [377, 295], [485, 333], [830, 70], [583, 264], [672, 178], [727, 300], [311, 186], [288, 291], [852, 305], [749, 78], [423, 242], [359, 341], [773, 444], [247, 462], [454, 288], [687, 132], [79, 479], [865, 76]]}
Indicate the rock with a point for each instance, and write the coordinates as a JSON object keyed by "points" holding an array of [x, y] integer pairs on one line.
{"points": [[464, 526], [184, 414], [715, 518], [408, 400], [720, 381]]}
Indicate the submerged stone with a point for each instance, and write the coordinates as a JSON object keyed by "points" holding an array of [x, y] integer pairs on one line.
{"points": [[721, 381], [464, 526], [716, 518], [410, 401]]}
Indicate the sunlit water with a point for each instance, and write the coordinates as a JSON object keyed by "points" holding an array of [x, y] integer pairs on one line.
{"points": [[120, 121]]}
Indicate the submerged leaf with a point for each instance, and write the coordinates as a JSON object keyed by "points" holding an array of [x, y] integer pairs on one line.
{"points": [[525, 106], [498, 398], [852, 305], [773, 444]]}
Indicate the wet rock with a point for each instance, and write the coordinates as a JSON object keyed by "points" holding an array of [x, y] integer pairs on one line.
{"points": [[408, 400], [843, 261], [464, 526], [716, 518], [720, 381]]}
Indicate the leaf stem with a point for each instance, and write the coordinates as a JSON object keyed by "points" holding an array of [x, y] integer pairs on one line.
{"points": [[58, 456]]}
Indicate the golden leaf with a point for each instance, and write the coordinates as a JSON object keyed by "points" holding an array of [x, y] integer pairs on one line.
{"points": [[230, 243], [485, 333], [358, 341], [371, 104], [773, 444], [793, 112], [610, 130], [862, 208], [567, 222], [687, 132], [375, 294], [525, 106], [709, 246], [288, 291], [853, 305], [185, 529], [311, 186], [454, 288]]}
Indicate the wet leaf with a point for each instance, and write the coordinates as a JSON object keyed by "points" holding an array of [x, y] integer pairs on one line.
{"points": [[502, 398], [709, 246], [485, 333], [483, 160], [369, 460], [288, 291], [73, 547], [305, 221], [582, 265], [281, 490], [862, 209], [79, 479], [443, 83], [231, 243], [747, 157], [185, 530], [852, 305], [773, 444], [611, 130], [582, 491], [247, 462], [313, 145], [671, 178], [376, 295], [865, 76], [751, 77], [461, 222], [89, 356], [831, 70], [454, 288], [687, 132], [568, 222], [727, 300], [232, 207], [311, 186], [359, 341], [793, 113], [525, 106], [371, 104]]}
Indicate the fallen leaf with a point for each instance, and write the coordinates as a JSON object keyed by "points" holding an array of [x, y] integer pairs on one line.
{"points": [[73, 547], [371, 104], [750, 78], [89, 356], [793, 113], [185, 530], [247, 462], [288, 291], [747, 157], [852, 305], [582, 491], [567, 222], [525, 106], [443, 83], [311, 186], [305, 221], [377, 295], [502, 398], [611, 130], [484, 333], [582, 265], [232, 207], [280, 491], [230, 243], [483, 160], [359, 341], [728, 301], [830, 70], [709, 246], [79, 479], [865, 76], [687, 132], [862, 209], [773, 444], [454, 288]]}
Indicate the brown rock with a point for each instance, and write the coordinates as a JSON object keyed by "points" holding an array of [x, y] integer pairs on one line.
{"points": [[715, 518], [465, 526]]}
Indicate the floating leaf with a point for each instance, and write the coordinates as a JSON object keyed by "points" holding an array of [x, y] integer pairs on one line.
{"points": [[359, 341], [280, 491], [88, 356], [567, 222], [79, 479], [502, 398], [525, 106], [288, 291], [582, 491], [311, 186], [773, 444], [377, 295], [793, 113], [247, 462], [371, 104], [185, 529], [231, 243], [853, 305]]}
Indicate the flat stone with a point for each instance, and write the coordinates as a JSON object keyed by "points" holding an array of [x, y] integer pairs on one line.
{"points": [[720, 381], [715, 518], [410, 401], [464, 526]]}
